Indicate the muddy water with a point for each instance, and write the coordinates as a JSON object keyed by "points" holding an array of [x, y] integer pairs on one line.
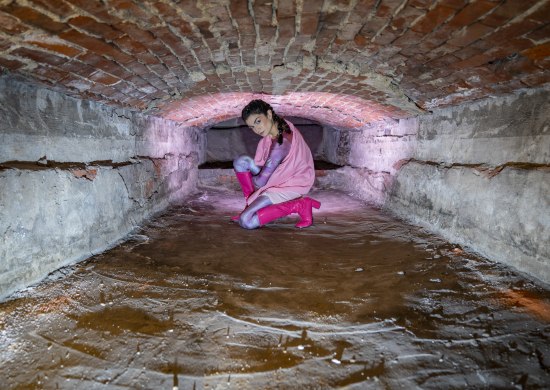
{"points": [[359, 300]]}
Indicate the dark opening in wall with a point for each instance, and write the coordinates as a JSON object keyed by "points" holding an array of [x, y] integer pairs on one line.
{"points": [[232, 138]]}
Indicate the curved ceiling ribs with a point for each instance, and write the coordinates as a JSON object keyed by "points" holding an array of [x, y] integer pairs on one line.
{"points": [[392, 58], [335, 110]]}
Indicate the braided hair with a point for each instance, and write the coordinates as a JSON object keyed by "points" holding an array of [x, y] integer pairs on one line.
{"points": [[258, 106]]}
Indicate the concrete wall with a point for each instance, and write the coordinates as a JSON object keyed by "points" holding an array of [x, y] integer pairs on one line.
{"points": [[77, 176], [480, 176], [372, 156]]}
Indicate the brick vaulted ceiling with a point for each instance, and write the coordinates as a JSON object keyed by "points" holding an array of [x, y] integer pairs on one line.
{"points": [[402, 57]]}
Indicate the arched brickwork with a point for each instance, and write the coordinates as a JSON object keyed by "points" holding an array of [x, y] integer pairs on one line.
{"points": [[339, 111], [404, 56]]}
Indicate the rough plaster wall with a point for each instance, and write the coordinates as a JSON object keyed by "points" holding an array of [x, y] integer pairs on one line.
{"points": [[76, 176], [371, 155], [480, 176]]}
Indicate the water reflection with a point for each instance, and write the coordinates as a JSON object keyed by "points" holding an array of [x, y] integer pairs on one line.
{"points": [[192, 301]]}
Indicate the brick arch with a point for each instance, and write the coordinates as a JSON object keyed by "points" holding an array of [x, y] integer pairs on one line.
{"points": [[408, 56], [340, 111]]}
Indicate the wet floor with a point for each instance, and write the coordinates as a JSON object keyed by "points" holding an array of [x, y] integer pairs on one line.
{"points": [[359, 300]]}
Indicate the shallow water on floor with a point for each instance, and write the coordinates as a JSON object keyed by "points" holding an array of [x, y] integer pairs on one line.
{"points": [[359, 300]]}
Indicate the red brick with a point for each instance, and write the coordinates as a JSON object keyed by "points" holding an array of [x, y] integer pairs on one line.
{"points": [[96, 28], [12, 65], [189, 7], [159, 69], [467, 52], [511, 31], [433, 18], [170, 15], [138, 68], [387, 8], [57, 7], [131, 10], [286, 28], [541, 13], [386, 37], [409, 38], [374, 25], [10, 24], [543, 64], [98, 9], [312, 7], [443, 61], [267, 33], [506, 67], [4, 45], [286, 8], [469, 34], [45, 72], [95, 45], [263, 12], [334, 18], [65, 50], [238, 10], [403, 19], [536, 79], [362, 10], [420, 4], [537, 52], [472, 12], [540, 34], [89, 174], [309, 24], [171, 40], [507, 11], [481, 76], [512, 45], [130, 45], [143, 36], [478, 59], [35, 18], [204, 28], [103, 78], [148, 59], [104, 64], [39, 56], [79, 68]]}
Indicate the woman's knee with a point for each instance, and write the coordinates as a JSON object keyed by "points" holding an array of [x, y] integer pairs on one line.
{"points": [[241, 163], [249, 221]]}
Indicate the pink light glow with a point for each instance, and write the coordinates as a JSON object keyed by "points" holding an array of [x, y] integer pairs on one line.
{"points": [[342, 111]]}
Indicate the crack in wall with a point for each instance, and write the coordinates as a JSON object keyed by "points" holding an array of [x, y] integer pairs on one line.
{"points": [[483, 169], [64, 166], [44, 164]]}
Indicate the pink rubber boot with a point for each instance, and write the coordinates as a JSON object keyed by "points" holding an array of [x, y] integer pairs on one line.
{"points": [[302, 206], [245, 180]]}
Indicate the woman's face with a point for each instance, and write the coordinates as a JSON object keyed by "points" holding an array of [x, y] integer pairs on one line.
{"points": [[262, 125]]}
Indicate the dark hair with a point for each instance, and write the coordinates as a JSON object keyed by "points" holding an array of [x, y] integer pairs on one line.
{"points": [[258, 106]]}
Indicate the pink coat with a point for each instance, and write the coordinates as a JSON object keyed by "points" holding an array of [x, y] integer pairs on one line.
{"points": [[295, 173]]}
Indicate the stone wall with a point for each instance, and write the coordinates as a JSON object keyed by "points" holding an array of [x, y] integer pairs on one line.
{"points": [[77, 176], [480, 176], [371, 155]]}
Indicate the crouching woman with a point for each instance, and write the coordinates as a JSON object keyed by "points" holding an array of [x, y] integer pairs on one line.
{"points": [[275, 181]]}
